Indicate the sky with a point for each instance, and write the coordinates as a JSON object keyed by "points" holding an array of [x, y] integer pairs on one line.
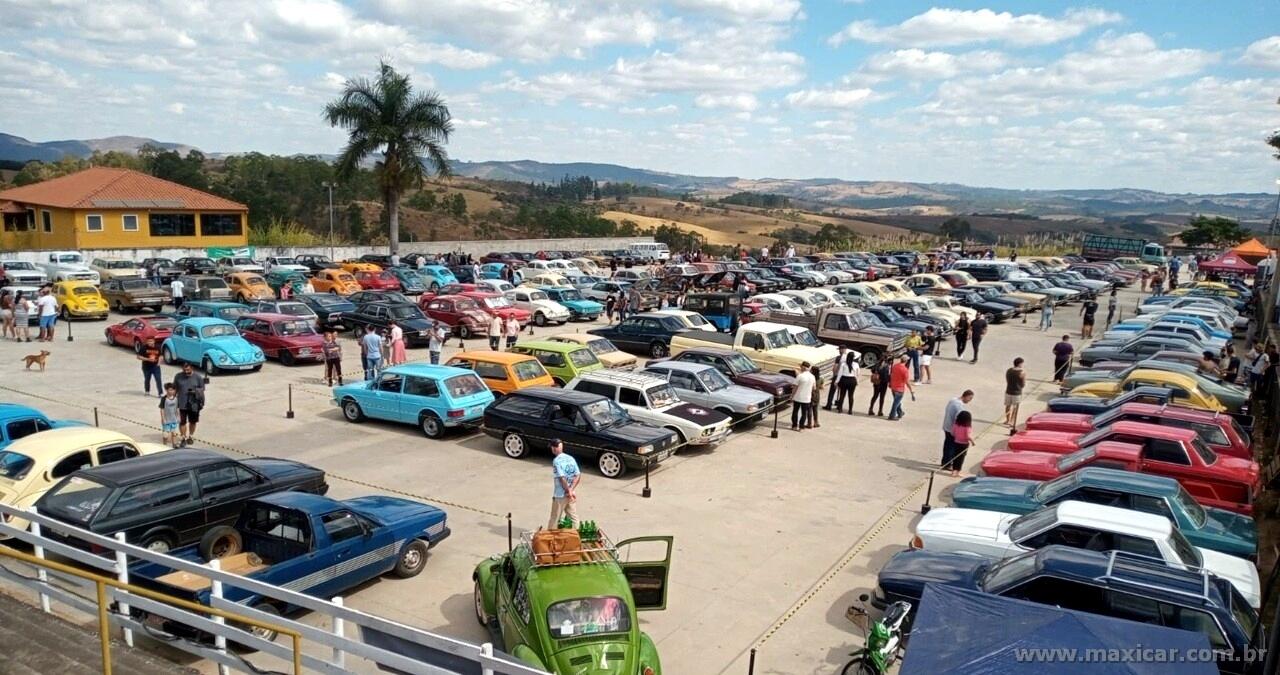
{"points": [[1175, 95]]}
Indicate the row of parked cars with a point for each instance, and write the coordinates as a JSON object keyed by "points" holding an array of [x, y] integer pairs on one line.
{"points": [[1132, 496]]}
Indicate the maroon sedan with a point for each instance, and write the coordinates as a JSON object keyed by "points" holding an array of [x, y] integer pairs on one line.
{"points": [[462, 315], [290, 339], [135, 332], [1218, 431], [378, 281]]}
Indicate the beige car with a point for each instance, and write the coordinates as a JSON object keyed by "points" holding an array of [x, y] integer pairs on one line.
{"points": [[605, 351], [31, 465], [116, 268]]}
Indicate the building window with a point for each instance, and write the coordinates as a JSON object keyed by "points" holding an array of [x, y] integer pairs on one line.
{"points": [[31, 220], [130, 222], [220, 224], [173, 224], [47, 219], [93, 222]]}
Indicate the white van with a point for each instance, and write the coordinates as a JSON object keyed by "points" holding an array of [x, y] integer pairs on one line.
{"points": [[650, 251]]}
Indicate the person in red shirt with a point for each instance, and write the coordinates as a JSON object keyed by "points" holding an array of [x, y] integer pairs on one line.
{"points": [[899, 384]]}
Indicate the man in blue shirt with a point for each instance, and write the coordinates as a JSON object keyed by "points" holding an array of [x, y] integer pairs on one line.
{"points": [[565, 476], [371, 346]]}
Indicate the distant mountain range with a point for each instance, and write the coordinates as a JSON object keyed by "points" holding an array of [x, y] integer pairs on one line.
{"points": [[816, 193]]}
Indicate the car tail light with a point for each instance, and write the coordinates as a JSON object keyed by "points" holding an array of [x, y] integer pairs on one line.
{"points": [[646, 671], [917, 542], [457, 413]]}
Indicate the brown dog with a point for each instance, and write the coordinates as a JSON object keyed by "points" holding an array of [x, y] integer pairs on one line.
{"points": [[39, 359]]}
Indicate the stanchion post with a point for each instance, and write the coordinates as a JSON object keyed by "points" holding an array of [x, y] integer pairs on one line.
{"points": [[95, 416], [646, 492], [928, 495], [69, 337], [751, 663], [289, 413], [509, 542], [776, 405]]}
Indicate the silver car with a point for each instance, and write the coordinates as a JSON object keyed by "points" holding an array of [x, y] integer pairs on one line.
{"points": [[704, 385]]}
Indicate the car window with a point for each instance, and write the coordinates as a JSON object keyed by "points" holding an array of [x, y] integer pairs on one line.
{"points": [[1137, 545], [629, 396], [602, 388], [460, 386], [23, 428], [1133, 607], [213, 480], [520, 601], [273, 521], [490, 371], [529, 370], [1147, 504], [683, 381], [71, 463], [1162, 450], [341, 526], [1097, 496], [390, 382], [1060, 593], [421, 386], [114, 453], [1194, 620], [153, 494], [588, 616], [521, 405]]}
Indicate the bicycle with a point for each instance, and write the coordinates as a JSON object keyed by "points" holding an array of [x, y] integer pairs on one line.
{"points": [[883, 640]]}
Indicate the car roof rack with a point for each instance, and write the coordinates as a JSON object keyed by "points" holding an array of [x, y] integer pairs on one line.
{"points": [[1189, 581], [602, 551], [622, 377]]}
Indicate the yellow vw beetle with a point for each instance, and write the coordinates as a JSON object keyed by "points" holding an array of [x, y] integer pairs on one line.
{"points": [[79, 299]]}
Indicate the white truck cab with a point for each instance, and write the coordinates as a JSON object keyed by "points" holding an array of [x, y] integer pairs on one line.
{"points": [[68, 266]]}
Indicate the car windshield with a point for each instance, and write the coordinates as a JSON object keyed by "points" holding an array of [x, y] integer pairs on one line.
{"points": [[1188, 554], [588, 616], [1036, 521], [602, 346], [1055, 488], [211, 283], [121, 264], [294, 309], [713, 379], [14, 465], [405, 312], [662, 395], [529, 370], [137, 284], [778, 339], [466, 305], [538, 295], [346, 277], [255, 280], [695, 320], [85, 290], [739, 363], [583, 358], [18, 265], [76, 499], [1075, 459], [408, 274], [1206, 453], [291, 328], [464, 385], [326, 299], [218, 330], [605, 413], [890, 314], [806, 337], [1092, 437], [497, 303]]}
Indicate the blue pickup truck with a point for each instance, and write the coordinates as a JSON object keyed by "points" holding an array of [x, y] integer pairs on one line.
{"points": [[305, 543]]}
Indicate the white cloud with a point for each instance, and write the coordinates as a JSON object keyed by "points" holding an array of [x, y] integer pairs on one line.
{"points": [[742, 102], [1264, 53], [668, 109], [176, 108], [829, 98], [446, 55], [917, 64], [946, 27], [745, 10]]}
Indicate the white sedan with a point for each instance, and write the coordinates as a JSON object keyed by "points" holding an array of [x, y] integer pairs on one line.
{"points": [[1079, 525], [543, 309]]}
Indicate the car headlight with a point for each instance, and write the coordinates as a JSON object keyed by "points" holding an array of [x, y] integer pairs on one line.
{"points": [[708, 432], [222, 358], [257, 354], [644, 449], [752, 407], [779, 391]]}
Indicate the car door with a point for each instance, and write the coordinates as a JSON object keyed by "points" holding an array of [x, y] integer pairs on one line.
{"points": [[161, 505], [359, 550], [689, 388], [181, 341], [223, 489], [646, 563], [420, 393], [382, 398]]}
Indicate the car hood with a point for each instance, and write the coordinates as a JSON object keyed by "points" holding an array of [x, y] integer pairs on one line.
{"points": [[908, 571], [583, 305], [1081, 377], [1031, 465], [879, 331], [617, 360], [639, 433], [1240, 572], [315, 341], [608, 656], [283, 469], [699, 415], [1227, 525], [1007, 495], [1076, 423], [763, 379], [744, 395], [1044, 441], [233, 345], [964, 524], [389, 510]]}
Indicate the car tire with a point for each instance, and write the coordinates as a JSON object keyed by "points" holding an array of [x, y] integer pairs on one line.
{"points": [[158, 543], [515, 446], [611, 464], [207, 366], [658, 350], [540, 319], [168, 356], [220, 542], [137, 346], [111, 339], [431, 426], [870, 358], [258, 632], [286, 358], [351, 411], [477, 597], [464, 332], [64, 314], [412, 560], [119, 307]]}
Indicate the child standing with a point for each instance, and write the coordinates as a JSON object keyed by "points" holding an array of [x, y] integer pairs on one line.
{"points": [[962, 433], [169, 414]]}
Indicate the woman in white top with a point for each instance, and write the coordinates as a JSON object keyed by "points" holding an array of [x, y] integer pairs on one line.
{"points": [[847, 373], [22, 309]]}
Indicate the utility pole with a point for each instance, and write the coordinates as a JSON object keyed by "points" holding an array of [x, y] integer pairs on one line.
{"points": [[330, 186]]}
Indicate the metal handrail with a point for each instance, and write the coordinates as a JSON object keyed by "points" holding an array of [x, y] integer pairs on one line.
{"points": [[104, 622]]}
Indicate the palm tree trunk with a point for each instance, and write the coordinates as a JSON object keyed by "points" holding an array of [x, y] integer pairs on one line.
{"points": [[393, 221]]}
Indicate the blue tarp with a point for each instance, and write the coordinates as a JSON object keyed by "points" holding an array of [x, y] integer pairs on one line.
{"points": [[963, 631]]}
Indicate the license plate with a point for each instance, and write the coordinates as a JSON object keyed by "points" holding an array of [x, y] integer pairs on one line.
{"points": [[305, 351], [241, 367], [476, 410]]}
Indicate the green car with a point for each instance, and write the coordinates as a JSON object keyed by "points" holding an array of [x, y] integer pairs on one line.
{"points": [[1214, 529], [278, 278], [564, 360], [576, 615], [1233, 396]]}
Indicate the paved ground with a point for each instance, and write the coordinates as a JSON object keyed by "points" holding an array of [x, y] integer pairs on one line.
{"points": [[774, 537]]}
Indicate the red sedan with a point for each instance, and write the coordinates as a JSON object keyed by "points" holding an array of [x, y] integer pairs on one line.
{"points": [[496, 304], [461, 314], [1218, 431], [1215, 480], [290, 339], [378, 281], [135, 332]]}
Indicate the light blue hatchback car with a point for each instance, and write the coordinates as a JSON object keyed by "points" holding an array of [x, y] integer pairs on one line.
{"points": [[435, 398], [212, 344]]}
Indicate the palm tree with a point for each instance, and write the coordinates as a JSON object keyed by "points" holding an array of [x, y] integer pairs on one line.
{"points": [[409, 128]]}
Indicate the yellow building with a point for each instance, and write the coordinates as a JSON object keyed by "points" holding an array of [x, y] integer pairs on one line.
{"points": [[103, 207]]}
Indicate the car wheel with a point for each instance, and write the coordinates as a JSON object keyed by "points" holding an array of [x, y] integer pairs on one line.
{"points": [[66, 316], [168, 356], [540, 319], [412, 560], [333, 291], [611, 465], [257, 631], [220, 542], [286, 358], [208, 367], [657, 350], [111, 339], [515, 446], [137, 346], [478, 597], [870, 358], [351, 410], [431, 425], [159, 543], [464, 332], [119, 307]]}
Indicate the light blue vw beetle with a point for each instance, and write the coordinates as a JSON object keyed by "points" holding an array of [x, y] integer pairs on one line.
{"points": [[212, 344]]}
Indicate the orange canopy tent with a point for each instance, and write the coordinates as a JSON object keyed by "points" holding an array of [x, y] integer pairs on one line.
{"points": [[1252, 250]]}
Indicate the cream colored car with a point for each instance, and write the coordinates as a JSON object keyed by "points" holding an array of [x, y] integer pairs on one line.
{"points": [[31, 465], [605, 351], [116, 268]]}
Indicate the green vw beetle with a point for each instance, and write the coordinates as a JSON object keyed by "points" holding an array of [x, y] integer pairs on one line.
{"points": [[576, 615]]}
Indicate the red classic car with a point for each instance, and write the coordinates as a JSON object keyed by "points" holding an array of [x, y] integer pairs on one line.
{"points": [[497, 304], [461, 314], [290, 339], [1215, 480], [377, 281], [1218, 431], [134, 332]]}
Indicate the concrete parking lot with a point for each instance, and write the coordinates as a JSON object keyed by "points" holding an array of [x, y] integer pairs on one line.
{"points": [[774, 538]]}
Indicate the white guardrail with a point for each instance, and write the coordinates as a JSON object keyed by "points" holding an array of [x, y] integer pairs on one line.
{"points": [[330, 648]]}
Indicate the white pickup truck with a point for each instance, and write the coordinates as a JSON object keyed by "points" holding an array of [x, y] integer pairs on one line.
{"points": [[67, 266]]}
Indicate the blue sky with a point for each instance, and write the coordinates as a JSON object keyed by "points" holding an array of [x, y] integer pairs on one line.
{"points": [[1171, 95]]}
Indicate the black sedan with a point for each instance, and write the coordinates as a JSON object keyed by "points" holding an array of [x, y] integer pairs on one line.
{"points": [[172, 498], [415, 324], [915, 313], [997, 311], [329, 309], [196, 265], [890, 318], [589, 424], [1132, 351], [361, 297], [644, 333]]}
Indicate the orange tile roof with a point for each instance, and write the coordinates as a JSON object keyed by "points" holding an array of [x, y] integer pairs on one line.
{"points": [[104, 187], [10, 207]]}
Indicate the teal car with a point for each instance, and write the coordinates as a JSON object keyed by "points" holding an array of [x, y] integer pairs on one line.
{"points": [[212, 344], [433, 398], [1233, 396], [435, 276], [411, 283], [228, 311], [1135, 325], [580, 308], [1214, 529]]}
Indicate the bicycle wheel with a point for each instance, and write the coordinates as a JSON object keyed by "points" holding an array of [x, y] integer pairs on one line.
{"points": [[860, 665]]}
